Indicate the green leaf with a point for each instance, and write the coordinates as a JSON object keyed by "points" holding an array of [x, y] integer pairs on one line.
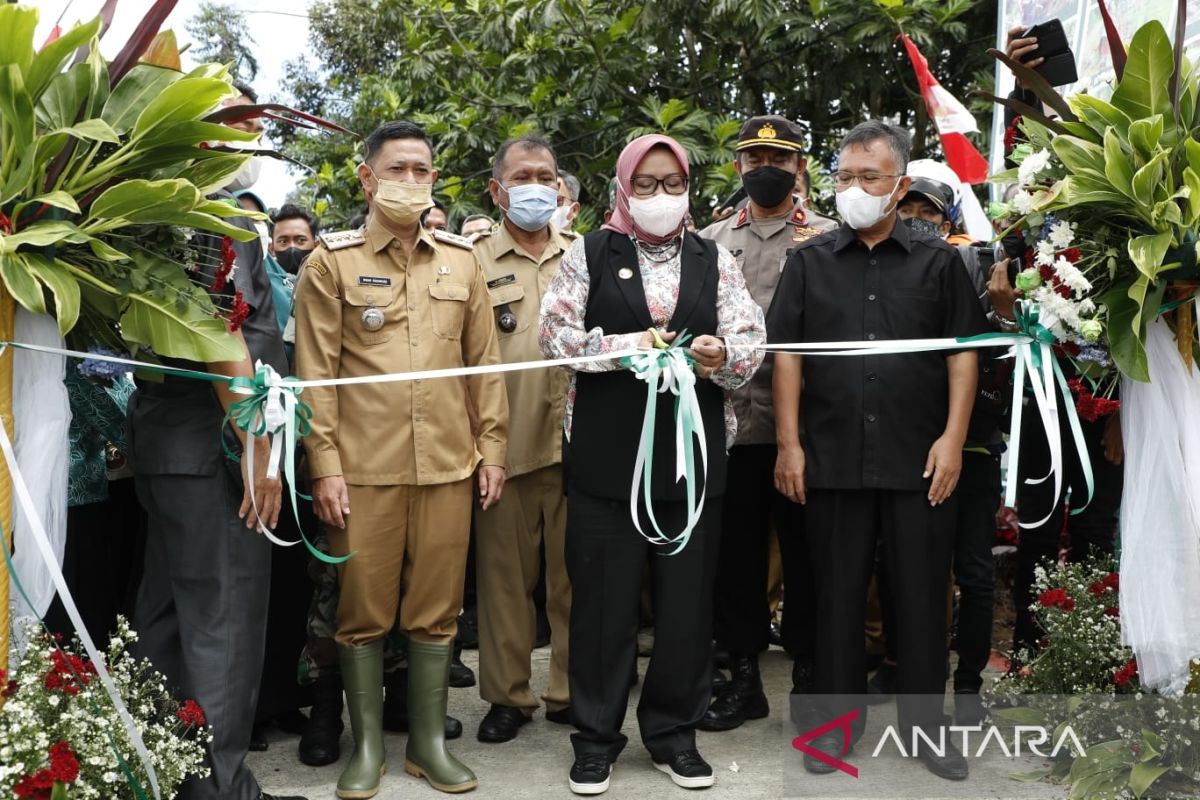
{"points": [[1081, 190], [59, 104], [16, 107], [1029, 777], [57, 199], [62, 284], [1144, 135], [1143, 776], [191, 132], [168, 331], [20, 281], [105, 251], [23, 175], [1099, 115], [1148, 181], [94, 130], [146, 201], [41, 234], [59, 792], [1147, 252], [1022, 715], [1143, 90], [1191, 179], [1116, 164], [50, 59], [135, 91], [213, 173], [1079, 155], [181, 101], [16, 45], [1127, 318]]}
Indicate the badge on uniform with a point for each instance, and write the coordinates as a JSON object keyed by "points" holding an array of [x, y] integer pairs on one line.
{"points": [[625, 273], [443, 270], [370, 280], [372, 319], [508, 322]]}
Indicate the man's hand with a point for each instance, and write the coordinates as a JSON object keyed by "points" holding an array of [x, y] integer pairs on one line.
{"points": [[491, 484], [1113, 440], [944, 465], [1001, 292], [789, 473], [709, 352], [268, 492], [1018, 49], [331, 501]]}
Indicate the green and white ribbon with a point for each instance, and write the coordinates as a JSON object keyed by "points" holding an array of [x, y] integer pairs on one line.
{"points": [[669, 369]]}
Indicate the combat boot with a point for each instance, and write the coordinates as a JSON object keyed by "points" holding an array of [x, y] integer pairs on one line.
{"points": [[320, 743]]}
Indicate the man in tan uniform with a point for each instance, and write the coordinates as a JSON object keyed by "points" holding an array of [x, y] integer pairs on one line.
{"points": [[519, 258], [769, 157], [392, 463]]}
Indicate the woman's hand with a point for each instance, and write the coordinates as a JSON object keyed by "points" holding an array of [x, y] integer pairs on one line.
{"points": [[648, 341], [709, 352], [1018, 49]]}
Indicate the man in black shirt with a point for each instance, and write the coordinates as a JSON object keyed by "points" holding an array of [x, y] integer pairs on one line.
{"points": [[884, 433]]}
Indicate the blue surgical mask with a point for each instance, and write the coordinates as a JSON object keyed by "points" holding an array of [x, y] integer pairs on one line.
{"points": [[531, 205]]}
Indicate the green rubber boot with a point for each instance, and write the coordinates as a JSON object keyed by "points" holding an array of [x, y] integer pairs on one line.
{"points": [[362, 675], [426, 756]]}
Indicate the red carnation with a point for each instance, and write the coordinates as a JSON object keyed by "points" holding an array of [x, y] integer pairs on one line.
{"points": [[64, 767], [1028, 258], [1112, 611], [1047, 272], [1113, 581], [1125, 674], [239, 313], [1056, 598], [1072, 254], [1011, 133], [228, 255], [1063, 291], [191, 714]]}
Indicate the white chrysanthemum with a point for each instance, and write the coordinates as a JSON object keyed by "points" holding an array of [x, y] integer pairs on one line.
{"points": [[1022, 201], [1061, 234], [1045, 253], [1032, 165]]}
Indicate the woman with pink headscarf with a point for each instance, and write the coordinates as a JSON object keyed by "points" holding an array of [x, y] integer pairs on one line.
{"points": [[643, 272]]}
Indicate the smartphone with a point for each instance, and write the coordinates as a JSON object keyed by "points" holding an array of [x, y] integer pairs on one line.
{"points": [[1058, 66]]}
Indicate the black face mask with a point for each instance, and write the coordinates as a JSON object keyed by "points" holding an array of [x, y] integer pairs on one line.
{"points": [[924, 226], [769, 186], [291, 259]]}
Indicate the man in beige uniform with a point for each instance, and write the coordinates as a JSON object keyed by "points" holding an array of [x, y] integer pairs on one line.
{"points": [[519, 258], [392, 463], [769, 157]]}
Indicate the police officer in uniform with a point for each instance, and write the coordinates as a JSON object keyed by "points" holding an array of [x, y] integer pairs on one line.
{"points": [[519, 258], [394, 465], [769, 155]]}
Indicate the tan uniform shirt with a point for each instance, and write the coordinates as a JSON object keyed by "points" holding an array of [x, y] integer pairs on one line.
{"points": [[436, 314], [537, 398], [760, 248]]}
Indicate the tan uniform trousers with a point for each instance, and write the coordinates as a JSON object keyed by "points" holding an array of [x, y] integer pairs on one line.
{"points": [[507, 537], [413, 537]]}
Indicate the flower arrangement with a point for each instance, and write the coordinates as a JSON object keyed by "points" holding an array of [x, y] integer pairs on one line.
{"points": [[59, 731]]}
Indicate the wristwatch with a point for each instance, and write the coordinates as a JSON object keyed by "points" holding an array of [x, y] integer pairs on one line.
{"points": [[1003, 323]]}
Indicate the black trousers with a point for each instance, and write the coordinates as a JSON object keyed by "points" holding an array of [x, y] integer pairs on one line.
{"points": [[605, 559], [1092, 530], [974, 569], [741, 614], [918, 544]]}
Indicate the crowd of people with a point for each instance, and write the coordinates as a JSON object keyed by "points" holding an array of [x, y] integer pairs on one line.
{"points": [[493, 510]]}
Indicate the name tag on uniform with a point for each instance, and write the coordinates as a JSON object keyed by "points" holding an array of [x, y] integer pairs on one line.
{"points": [[505, 280], [368, 280]]}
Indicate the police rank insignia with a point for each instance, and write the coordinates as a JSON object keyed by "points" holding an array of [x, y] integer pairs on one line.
{"points": [[806, 232], [372, 319]]}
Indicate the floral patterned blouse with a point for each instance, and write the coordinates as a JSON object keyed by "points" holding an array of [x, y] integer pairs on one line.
{"points": [[562, 334]]}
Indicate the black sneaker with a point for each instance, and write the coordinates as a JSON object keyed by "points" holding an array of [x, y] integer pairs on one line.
{"points": [[590, 773], [688, 769]]}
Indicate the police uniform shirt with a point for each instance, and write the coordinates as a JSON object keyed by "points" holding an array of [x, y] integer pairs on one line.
{"points": [[760, 248], [870, 420], [516, 281], [365, 308]]}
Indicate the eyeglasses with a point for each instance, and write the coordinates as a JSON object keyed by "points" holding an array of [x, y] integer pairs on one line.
{"points": [[646, 185], [867, 180]]}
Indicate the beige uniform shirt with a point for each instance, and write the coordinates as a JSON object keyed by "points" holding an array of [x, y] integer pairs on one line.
{"points": [[516, 281], [760, 248], [436, 314]]}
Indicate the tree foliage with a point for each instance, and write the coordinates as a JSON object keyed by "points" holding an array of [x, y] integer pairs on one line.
{"points": [[222, 37], [590, 74]]}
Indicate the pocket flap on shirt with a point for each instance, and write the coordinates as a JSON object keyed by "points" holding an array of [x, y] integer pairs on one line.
{"points": [[506, 294], [449, 291], [368, 295]]}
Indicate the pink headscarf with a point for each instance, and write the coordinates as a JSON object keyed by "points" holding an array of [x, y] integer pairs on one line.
{"points": [[627, 162]]}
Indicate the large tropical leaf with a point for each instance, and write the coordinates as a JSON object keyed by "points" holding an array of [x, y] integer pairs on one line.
{"points": [[16, 44], [20, 282], [61, 283], [135, 91], [168, 330], [1144, 88], [16, 108], [182, 101], [49, 62]]}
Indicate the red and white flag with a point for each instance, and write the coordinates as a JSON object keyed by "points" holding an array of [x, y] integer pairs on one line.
{"points": [[952, 119]]}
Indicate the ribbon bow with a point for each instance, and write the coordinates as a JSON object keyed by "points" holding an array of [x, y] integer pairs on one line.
{"points": [[1035, 359], [273, 409], [669, 369]]}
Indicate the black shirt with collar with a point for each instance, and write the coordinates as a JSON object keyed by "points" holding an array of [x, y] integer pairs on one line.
{"points": [[870, 420]]}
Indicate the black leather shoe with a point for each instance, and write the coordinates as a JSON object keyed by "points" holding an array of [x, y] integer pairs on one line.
{"points": [[501, 724], [952, 766], [719, 682], [688, 769], [743, 700], [258, 739], [775, 634], [803, 680], [831, 745], [395, 706], [560, 717], [468, 630], [968, 709], [461, 676], [320, 743], [265, 796], [882, 685], [590, 773]]}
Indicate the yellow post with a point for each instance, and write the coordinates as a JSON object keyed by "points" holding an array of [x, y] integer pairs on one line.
{"points": [[8, 313]]}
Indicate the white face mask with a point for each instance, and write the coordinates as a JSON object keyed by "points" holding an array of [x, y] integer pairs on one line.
{"points": [[560, 219], [660, 215], [860, 210], [247, 176]]}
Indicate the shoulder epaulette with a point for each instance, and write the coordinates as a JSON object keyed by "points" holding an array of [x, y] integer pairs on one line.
{"points": [[454, 239], [338, 240]]}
